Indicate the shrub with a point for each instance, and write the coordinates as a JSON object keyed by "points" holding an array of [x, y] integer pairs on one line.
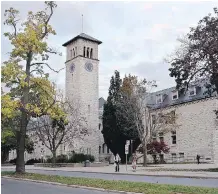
{"points": [[32, 161], [49, 160], [74, 158], [62, 159], [13, 161], [80, 157]]}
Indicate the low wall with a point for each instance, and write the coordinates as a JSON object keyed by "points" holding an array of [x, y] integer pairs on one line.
{"points": [[95, 164]]}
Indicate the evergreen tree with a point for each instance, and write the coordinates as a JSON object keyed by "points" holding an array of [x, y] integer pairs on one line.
{"points": [[116, 129]]}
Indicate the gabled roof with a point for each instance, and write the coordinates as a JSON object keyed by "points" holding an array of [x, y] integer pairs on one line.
{"points": [[82, 36]]}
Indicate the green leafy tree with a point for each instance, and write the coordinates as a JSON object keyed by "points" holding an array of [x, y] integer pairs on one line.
{"points": [[136, 111], [197, 56], [31, 93], [115, 129]]}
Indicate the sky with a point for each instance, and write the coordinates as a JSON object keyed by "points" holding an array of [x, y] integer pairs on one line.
{"points": [[136, 36]]}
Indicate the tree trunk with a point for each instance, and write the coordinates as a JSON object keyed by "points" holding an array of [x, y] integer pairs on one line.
{"points": [[144, 154], [20, 163], [53, 158]]}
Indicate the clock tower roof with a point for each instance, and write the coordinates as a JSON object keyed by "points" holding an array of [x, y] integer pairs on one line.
{"points": [[82, 36]]}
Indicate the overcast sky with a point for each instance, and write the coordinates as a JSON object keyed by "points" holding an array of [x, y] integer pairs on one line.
{"points": [[136, 36]]}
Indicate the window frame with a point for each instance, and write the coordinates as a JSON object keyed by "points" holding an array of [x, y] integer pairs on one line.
{"points": [[175, 93], [161, 97], [173, 135], [193, 88]]}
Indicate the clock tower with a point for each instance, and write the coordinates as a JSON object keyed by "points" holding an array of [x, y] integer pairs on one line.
{"points": [[82, 67]]}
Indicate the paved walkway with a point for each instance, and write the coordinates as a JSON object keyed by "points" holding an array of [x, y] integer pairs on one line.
{"points": [[157, 170]]}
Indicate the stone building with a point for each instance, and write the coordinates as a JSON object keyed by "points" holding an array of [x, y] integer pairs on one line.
{"points": [[197, 126], [81, 86], [104, 152]]}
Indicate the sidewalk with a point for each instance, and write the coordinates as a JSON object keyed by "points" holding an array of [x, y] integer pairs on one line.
{"points": [[142, 171]]}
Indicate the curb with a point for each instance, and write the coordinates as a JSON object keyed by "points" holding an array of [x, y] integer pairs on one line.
{"points": [[122, 173], [72, 186]]}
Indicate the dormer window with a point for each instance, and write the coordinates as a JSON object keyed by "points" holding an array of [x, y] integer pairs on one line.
{"points": [[159, 98], [192, 91], [175, 95]]}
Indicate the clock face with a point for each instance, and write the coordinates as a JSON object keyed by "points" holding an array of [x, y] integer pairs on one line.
{"points": [[89, 66], [72, 67]]}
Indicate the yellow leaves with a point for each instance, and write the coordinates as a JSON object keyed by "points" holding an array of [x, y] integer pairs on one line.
{"points": [[8, 107], [11, 72]]}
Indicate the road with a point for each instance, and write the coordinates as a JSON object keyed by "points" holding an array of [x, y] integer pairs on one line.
{"points": [[213, 183], [25, 187]]}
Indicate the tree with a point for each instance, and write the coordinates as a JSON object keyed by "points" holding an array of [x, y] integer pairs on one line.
{"points": [[197, 56], [154, 148], [137, 110], [9, 142], [53, 132], [115, 130], [23, 73]]}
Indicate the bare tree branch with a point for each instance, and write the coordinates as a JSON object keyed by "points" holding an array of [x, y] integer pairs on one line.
{"points": [[47, 66]]}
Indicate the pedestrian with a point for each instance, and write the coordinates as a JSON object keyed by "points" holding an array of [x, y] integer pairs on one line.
{"points": [[134, 160], [117, 161], [198, 159]]}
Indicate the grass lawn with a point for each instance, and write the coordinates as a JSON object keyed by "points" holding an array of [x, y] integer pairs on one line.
{"points": [[192, 170], [148, 188]]}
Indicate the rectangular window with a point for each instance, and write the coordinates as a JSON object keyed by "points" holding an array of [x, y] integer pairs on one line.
{"points": [[181, 155], [173, 137], [153, 118], [173, 157], [161, 139], [154, 139], [175, 95], [161, 136], [99, 125], [192, 91], [159, 99]]}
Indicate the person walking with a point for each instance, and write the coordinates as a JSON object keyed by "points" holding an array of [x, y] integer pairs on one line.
{"points": [[134, 160], [198, 159], [117, 161]]}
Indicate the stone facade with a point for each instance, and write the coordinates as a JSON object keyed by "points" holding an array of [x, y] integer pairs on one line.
{"points": [[104, 153], [196, 132], [82, 67]]}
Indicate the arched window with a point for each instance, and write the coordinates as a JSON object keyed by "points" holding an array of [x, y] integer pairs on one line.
{"points": [[99, 149], [75, 51], [87, 53], [91, 55], [108, 151], [84, 51]]}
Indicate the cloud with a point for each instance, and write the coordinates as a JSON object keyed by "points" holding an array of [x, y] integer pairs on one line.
{"points": [[136, 36], [152, 71]]}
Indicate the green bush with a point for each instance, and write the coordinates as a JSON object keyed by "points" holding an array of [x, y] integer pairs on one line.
{"points": [[32, 161], [62, 159], [13, 161], [80, 157], [74, 158]]}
